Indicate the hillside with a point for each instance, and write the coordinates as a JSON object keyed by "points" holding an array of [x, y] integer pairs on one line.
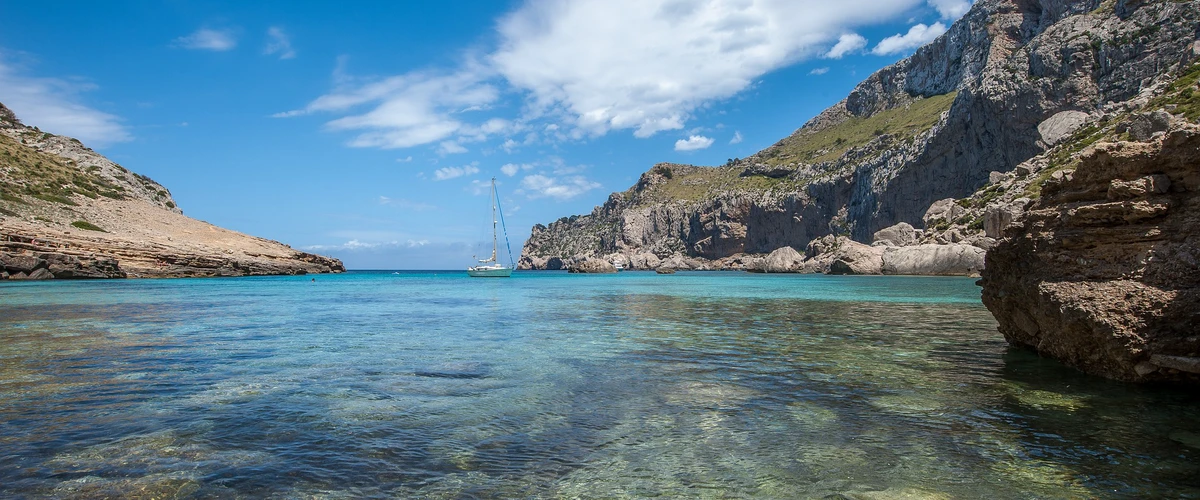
{"points": [[1007, 82], [68, 212]]}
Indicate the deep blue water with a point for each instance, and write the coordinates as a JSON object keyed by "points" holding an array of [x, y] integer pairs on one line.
{"points": [[435, 385]]}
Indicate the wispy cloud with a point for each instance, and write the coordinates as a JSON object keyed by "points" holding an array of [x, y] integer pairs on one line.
{"points": [[278, 42], [207, 39], [564, 188], [415, 206], [355, 244], [848, 43], [819, 71], [404, 111], [917, 36], [447, 173], [53, 105], [693, 143], [737, 137], [451, 147]]}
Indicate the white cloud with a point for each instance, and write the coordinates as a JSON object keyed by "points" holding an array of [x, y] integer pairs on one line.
{"points": [[951, 9], [847, 43], [646, 65], [819, 71], [407, 110], [279, 43], [565, 188], [917, 36], [52, 105], [737, 138], [446, 173], [207, 39], [594, 66], [511, 169], [693, 143], [450, 148], [406, 159]]}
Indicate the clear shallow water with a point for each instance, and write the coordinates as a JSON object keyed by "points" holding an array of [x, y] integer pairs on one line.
{"points": [[555, 385]]}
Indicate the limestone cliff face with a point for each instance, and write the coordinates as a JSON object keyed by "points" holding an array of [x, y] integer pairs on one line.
{"points": [[68, 212], [988, 95], [1103, 270]]}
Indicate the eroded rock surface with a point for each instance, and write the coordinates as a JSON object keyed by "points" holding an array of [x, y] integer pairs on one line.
{"points": [[1103, 271]]}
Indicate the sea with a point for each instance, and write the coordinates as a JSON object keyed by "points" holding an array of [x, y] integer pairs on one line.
{"points": [[430, 384]]}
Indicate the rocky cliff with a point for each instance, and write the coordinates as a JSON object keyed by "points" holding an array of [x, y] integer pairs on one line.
{"points": [[1008, 81], [68, 212]]}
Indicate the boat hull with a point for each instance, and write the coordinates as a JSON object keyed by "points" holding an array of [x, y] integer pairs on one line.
{"points": [[502, 272]]}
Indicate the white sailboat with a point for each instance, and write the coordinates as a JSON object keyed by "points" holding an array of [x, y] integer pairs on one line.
{"points": [[491, 267]]}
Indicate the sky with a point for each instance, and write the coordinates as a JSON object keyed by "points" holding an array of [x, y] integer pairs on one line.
{"points": [[370, 131]]}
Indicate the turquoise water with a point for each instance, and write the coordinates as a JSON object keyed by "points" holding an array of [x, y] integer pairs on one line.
{"points": [[549, 385]]}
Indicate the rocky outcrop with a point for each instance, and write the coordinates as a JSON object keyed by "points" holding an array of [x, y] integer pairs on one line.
{"points": [[782, 260], [842, 255], [592, 266], [934, 260], [1007, 81], [899, 235], [1102, 271]]}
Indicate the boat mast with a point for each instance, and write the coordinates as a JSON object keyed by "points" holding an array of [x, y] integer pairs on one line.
{"points": [[494, 244]]}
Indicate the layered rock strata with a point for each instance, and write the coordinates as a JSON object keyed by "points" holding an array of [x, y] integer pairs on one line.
{"points": [[1102, 271]]}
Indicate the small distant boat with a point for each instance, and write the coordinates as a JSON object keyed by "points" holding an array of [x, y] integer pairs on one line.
{"points": [[495, 269], [620, 267]]}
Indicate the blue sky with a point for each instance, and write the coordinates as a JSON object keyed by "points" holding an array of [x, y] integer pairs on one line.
{"points": [[369, 131]]}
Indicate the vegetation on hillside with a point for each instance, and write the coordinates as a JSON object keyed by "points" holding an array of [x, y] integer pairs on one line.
{"points": [[815, 151], [831, 143], [28, 173]]}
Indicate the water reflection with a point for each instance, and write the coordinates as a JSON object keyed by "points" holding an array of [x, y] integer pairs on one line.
{"points": [[555, 388]]}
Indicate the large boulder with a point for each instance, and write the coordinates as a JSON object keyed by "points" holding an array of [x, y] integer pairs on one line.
{"points": [[942, 210], [1060, 126], [899, 235], [644, 260], [782, 260], [934, 260], [841, 255], [592, 265]]}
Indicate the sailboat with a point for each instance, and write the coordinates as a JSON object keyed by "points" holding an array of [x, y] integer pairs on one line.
{"points": [[491, 267]]}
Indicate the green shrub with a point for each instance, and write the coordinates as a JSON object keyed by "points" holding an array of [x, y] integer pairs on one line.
{"points": [[82, 224]]}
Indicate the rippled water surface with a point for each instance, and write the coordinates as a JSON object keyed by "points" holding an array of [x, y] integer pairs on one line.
{"points": [[435, 385]]}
